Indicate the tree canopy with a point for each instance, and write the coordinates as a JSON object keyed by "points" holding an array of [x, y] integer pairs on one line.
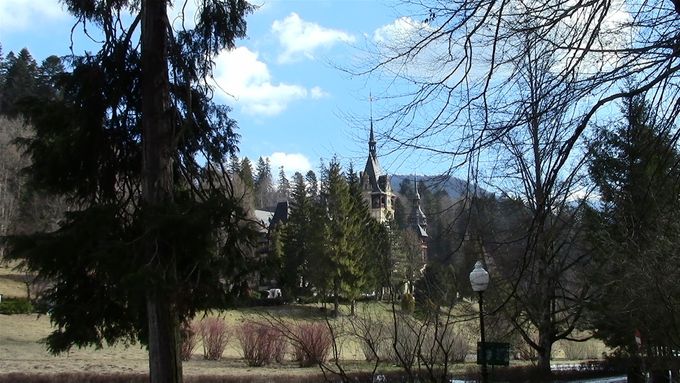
{"points": [[139, 148]]}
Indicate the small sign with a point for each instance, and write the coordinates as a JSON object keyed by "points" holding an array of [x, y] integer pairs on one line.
{"points": [[638, 338], [494, 353]]}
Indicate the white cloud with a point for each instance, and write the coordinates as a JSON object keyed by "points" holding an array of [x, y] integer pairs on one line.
{"points": [[301, 38], [243, 76], [392, 39], [400, 31], [291, 162], [17, 15], [317, 93]]}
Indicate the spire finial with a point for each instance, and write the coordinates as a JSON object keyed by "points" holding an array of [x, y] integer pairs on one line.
{"points": [[415, 185], [371, 139]]}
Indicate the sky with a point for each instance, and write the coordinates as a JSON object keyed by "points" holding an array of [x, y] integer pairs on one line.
{"points": [[285, 82]]}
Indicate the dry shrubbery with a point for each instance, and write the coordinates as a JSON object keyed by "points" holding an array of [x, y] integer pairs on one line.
{"points": [[581, 350], [189, 332], [261, 344], [311, 343], [444, 344], [373, 337], [410, 341], [215, 336]]}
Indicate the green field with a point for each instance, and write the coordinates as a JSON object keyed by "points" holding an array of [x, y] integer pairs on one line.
{"points": [[21, 350]]}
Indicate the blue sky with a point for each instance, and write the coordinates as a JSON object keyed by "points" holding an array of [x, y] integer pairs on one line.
{"points": [[291, 101]]}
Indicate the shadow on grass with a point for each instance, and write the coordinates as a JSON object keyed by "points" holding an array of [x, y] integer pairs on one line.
{"points": [[143, 378]]}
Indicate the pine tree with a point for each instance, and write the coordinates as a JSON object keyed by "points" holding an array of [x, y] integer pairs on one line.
{"points": [[20, 81], [283, 189], [312, 184], [264, 185], [154, 234], [296, 241], [635, 169], [342, 235], [246, 173], [360, 273]]}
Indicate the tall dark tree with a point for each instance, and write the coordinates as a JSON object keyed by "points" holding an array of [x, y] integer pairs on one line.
{"points": [[312, 184], [155, 232], [283, 187], [297, 239], [246, 173], [265, 196], [362, 274], [634, 230], [20, 81]]}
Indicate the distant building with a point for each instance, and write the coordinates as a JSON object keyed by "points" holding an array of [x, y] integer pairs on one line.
{"points": [[376, 186], [417, 221]]}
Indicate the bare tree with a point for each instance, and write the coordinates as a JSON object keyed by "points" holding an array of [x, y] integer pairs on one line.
{"points": [[11, 185], [508, 91], [454, 61]]}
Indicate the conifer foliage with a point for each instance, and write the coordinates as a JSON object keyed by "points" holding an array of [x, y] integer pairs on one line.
{"points": [[635, 230], [155, 231], [331, 244]]}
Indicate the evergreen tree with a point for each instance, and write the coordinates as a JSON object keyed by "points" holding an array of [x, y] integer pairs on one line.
{"points": [[154, 234], [264, 185], [283, 189], [20, 81], [342, 235], [48, 76], [312, 184], [246, 174], [234, 165], [296, 241], [360, 273], [635, 229]]}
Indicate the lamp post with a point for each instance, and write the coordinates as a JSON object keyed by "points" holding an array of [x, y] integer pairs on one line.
{"points": [[479, 279]]}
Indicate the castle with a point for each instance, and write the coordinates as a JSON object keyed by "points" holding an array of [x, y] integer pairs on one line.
{"points": [[376, 186], [377, 189]]}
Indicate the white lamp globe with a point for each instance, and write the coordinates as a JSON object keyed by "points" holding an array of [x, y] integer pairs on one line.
{"points": [[479, 278]]}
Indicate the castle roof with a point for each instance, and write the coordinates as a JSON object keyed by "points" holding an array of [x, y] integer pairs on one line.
{"points": [[372, 171]]}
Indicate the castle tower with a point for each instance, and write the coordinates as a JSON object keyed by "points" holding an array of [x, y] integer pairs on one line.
{"points": [[418, 221], [376, 186]]}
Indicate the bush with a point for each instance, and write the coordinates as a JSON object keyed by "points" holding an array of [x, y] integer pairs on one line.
{"points": [[373, 337], [261, 344], [444, 345], [10, 306], [408, 303], [215, 335], [311, 344], [581, 350], [406, 341], [189, 333]]}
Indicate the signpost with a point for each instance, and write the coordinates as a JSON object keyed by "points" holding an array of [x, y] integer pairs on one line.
{"points": [[493, 353]]}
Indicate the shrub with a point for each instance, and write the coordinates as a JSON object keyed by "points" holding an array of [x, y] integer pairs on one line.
{"points": [[311, 344], [445, 344], [261, 344], [189, 333], [408, 303], [581, 350], [406, 341], [373, 336], [10, 306], [215, 335]]}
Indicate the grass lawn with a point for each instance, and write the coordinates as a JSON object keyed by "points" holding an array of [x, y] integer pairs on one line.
{"points": [[22, 352]]}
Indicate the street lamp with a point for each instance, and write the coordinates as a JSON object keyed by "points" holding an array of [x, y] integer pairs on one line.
{"points": [[479, 279]]}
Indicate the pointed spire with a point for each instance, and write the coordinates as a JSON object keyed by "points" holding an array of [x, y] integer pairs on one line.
{"points": [[415, 186], [371, 139]]}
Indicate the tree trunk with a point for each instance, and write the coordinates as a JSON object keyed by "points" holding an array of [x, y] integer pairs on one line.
{"points": [[336, 298], [165, 365], [545, 343]]}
